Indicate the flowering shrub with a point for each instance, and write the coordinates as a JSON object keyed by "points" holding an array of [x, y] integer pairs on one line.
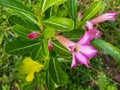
{"points": [[39, 37]]}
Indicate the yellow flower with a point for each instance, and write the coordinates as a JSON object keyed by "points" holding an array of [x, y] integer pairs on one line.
{"points": [[29, 67]]}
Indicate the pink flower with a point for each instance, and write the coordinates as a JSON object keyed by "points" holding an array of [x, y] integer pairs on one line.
{"points": [[107, 16], [92, 32], [33, 35], [89, 24], [81, 51], [50, 45]]}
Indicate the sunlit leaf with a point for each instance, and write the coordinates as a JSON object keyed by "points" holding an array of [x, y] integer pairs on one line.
{"points": [[48, 32], [63, 24], [49, 3]]}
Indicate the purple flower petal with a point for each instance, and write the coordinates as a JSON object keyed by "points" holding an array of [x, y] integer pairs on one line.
{"points": [[88, 51], [82, 59], [94, 33], [89, 25], [85, 39], [73, 62], [72, 48]]}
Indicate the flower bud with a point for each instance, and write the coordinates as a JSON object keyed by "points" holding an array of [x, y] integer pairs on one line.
{"points": [[33, 35]]}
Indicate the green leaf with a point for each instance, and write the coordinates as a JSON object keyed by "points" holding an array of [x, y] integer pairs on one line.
{"points": [[41, 51], [48, 32], [49, 3], [63, 24], [14, 19], [14, 4], [56, 72], [73, 9], [19, 8], [30, 86], [60, 49], [27, 16], [110, 49], [21, 31], [91, 12], [44, 45], [49, 82], [20, 46]]}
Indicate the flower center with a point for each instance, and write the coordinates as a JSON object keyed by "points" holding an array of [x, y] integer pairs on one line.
{"points": [[76, 49]]}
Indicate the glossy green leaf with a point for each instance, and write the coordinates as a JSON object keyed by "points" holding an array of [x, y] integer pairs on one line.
{"points": [[19, 8], [48, 32], [21, 46], [94, 8], [49, 82], [41, 51], [21, 31], [63, 24], [73, 9], [60, 49], [44, 51], [14, 19], [49, 3], [27, 16], [56, 72], [14, 4], [109, 48]]}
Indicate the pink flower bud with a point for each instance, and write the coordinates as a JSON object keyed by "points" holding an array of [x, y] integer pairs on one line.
{"points": [[79, 15], [50, 45], [33, 35], [107, 16]]}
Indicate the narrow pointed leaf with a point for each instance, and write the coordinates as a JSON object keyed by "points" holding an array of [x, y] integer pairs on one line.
{"points": [[94, 8], [109, 48], [73, 9], [20, 46], [49, 3], [56, 72], [63, 24]]}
